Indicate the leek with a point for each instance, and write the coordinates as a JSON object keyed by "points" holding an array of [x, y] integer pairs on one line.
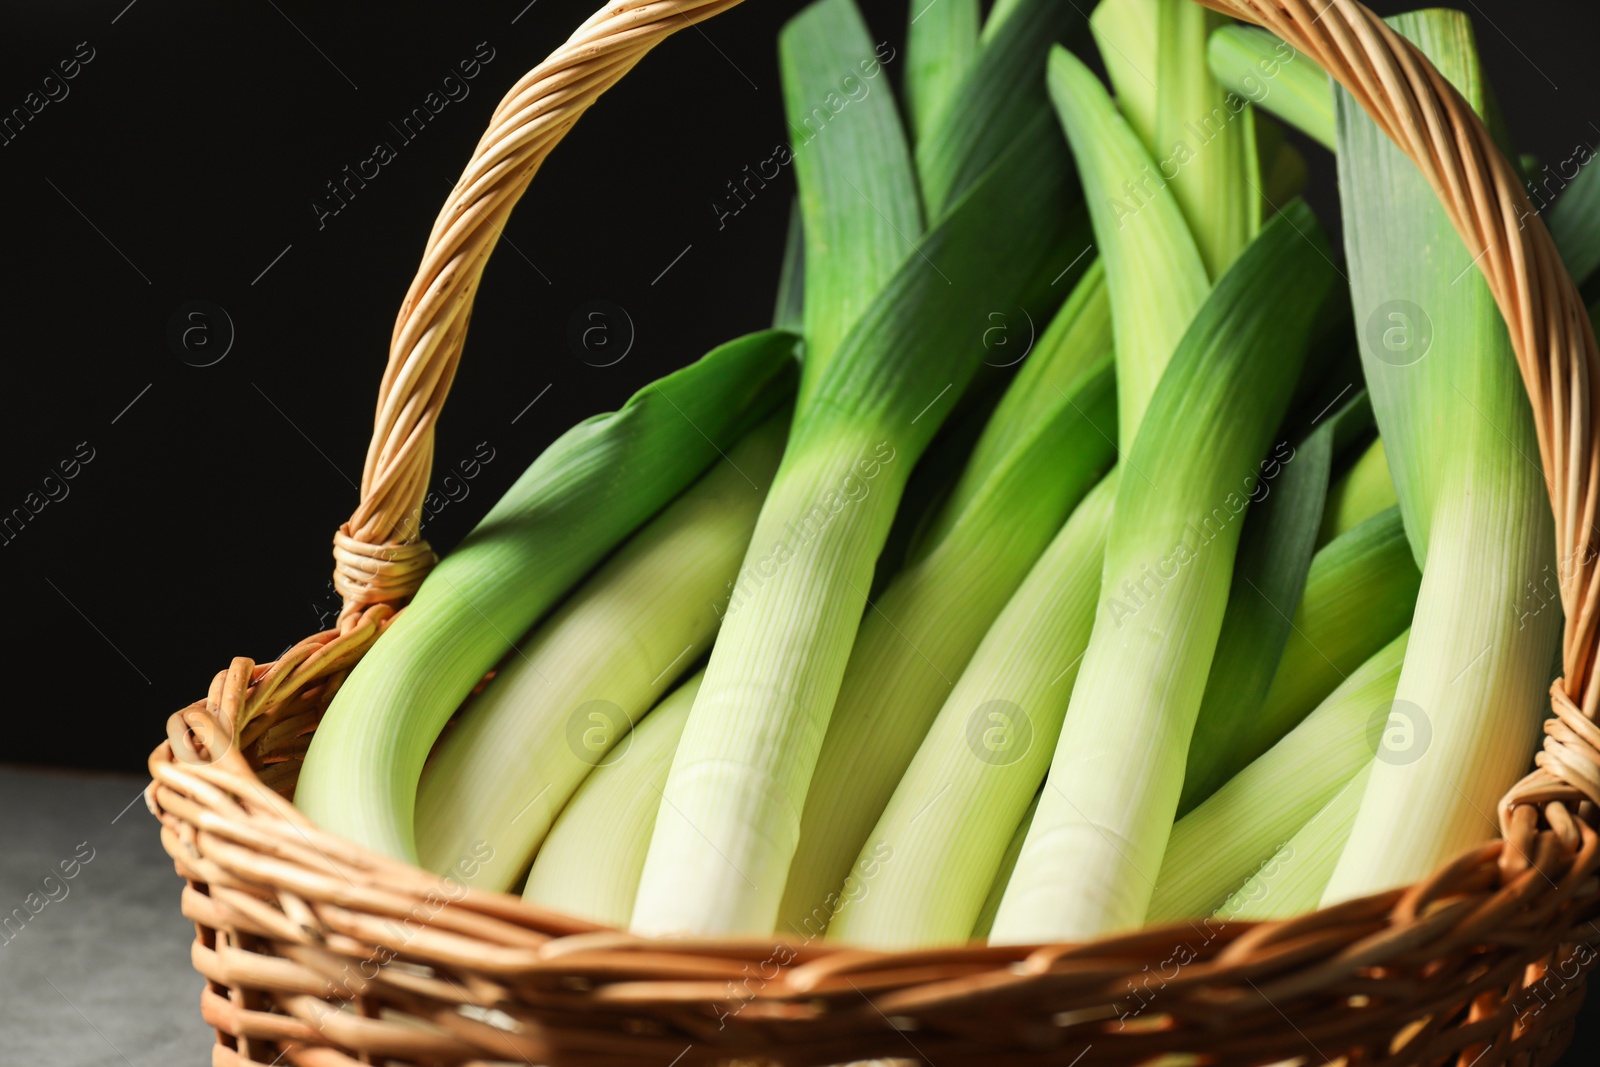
{"points": [[1461, 447], [1359, 593], [1575, 219], [1293, 880], [941, 45], [1360, 493], [1217, 846], [929, 487], [788, 309], [1284, 173], [586, 492], [1145, 245], [1002, 878], [1127, 33], [998, 101], [1102, 825], [999, 12], [858, 192], [1205, 143], [1201, 142], [1046, 444], [1271, 74], [729, 822], [589, 864], [1269, 578], [575, 687], [985, 755]]}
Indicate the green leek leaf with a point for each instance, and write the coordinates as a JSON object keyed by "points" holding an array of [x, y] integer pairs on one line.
{"points": [[941, 46], [1359, 593], [1204, 138], [1128, 36], [1575, 219], [858, 191], [1001, 97], [788, 310], [1270, 73], [1360, 493], [1153, 270]]}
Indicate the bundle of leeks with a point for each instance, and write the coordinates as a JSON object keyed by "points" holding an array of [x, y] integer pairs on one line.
{"points": [[846, 631]]}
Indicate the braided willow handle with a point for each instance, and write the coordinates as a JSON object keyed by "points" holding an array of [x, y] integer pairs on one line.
{"points": [[1550, 331], [379, 557]]}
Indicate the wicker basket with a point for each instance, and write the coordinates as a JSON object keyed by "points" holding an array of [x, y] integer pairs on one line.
{"points": [[318, 953]]}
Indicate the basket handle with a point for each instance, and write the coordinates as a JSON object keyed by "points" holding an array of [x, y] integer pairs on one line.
{"points": [[1550, 331], [379, 557]]}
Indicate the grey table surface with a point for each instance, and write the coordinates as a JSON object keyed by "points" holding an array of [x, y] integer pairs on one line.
{"points": [[101, 974]]}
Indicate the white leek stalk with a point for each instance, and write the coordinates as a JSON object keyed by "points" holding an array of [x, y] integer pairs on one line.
{"points": [[1002, 878], [1460, 443], [940, 841], [1218, 845], [1294, 879], [589, 864], [575, 687]]}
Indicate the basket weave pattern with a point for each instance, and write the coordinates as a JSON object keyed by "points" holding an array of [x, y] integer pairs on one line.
{"points": [[320, 954]]}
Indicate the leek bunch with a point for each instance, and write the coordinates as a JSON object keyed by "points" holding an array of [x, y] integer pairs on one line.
{"points": [[919, 646], [1114, 780], [571, 692], [729, 822]]}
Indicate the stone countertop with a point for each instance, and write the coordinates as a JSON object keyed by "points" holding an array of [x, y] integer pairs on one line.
{"points": [[101, 974]]}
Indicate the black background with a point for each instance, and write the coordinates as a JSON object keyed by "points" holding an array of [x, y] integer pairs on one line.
{"points": [[183, 167]]}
